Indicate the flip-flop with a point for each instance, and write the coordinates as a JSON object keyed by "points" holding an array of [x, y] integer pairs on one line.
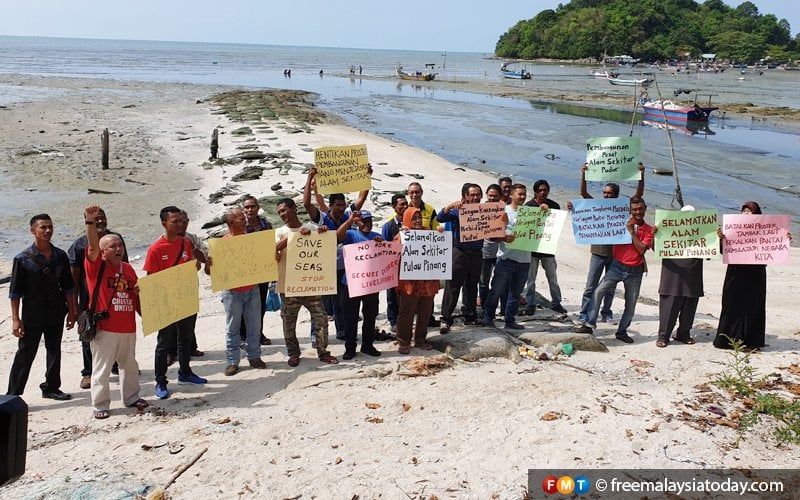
{"points": [[327, 358], [404, 349], [139, 404], [294, 360], [687, 340], [100, 414], [424, 346], [661, 343]]}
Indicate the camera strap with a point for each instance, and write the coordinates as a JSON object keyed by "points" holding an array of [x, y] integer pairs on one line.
{"points": [[97, 287]]}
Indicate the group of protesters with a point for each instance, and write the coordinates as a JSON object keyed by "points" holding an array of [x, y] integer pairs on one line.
{"points": [[94, 276]]}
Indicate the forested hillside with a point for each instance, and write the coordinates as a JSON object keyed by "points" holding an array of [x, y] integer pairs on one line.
{"points": [[651, 30]]}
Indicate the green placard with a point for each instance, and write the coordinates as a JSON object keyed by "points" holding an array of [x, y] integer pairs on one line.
{"points": [[687, 235], [537, 230], [612, 159]]}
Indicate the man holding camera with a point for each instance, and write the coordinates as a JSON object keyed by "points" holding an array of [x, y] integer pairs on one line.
{"points": [[114, 294]]}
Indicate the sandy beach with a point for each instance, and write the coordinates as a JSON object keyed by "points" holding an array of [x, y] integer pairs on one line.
{"points": [[364, 428]]}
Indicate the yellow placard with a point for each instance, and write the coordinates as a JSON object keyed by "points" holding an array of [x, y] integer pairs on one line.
{"points": [[168, 296], [243, 260], [311, 264], [342, 169]]}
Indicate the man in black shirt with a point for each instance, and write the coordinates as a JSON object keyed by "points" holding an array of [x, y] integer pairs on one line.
{"points": [[41, 282]]}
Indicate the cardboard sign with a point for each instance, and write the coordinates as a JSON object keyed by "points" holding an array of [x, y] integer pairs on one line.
{"points": [[243, 260], [612, 159], [342, 169], [537, 230], [371, 266], [479, 221], [600, 221], [687, 235], [427, 255], [311, 264], [169, 296], [755, 239]]}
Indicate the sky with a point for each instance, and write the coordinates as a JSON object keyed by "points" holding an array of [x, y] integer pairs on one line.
{"points": [[454, 25]]}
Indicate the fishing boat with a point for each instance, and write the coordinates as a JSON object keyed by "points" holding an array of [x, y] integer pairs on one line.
{"points": [[676, 113], [602, 73], [625, 82], [521, 74], [422, 76]]}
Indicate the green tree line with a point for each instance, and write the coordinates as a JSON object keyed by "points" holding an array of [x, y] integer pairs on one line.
{"points": [[651, 30]]}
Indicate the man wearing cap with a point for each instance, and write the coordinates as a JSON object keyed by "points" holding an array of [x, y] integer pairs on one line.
{"points": [[367, 303], [679, 291]]}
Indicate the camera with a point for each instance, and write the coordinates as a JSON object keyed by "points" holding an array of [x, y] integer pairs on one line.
{"points": [[100, 316]]}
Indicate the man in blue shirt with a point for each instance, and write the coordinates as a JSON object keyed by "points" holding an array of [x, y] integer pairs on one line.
{"points": [[467, 263], [367, 303], [390, 229]]}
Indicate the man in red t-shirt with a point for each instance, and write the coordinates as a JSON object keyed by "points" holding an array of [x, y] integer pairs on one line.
{"points": [[628, 267], [172, 249], [117, 301]]}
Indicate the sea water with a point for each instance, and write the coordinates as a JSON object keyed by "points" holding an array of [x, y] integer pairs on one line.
{"points": [[729, 162]]}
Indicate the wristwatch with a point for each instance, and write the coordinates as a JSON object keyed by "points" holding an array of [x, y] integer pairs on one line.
{"points": [[89, 222]]}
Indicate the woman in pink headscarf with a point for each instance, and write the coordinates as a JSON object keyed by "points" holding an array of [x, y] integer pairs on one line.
{"points": [[415, 299]]}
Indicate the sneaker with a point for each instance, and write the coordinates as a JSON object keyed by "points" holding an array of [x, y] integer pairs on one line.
{"points": [[514, 326], [231, 370], [625, 338], [264, 340], [608, 318], [161, 391], [348, 355], [485, 322], [529, 311], [86, 382], [559, 309], [445, 328], [370, 351], [584, 329], [257, 363], [191, 379]]}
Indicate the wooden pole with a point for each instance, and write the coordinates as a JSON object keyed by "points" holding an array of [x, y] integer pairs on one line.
{"points": [[214, 143], [104, 142], [677, 195]]}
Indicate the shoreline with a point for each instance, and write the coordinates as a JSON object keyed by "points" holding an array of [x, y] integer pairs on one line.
{"points": [[470, 431]]}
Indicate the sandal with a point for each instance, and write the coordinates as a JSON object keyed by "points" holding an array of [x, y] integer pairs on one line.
{"points": [[100, 414], [404, 349], [685, 340], [327, 358], [294, 360], [424, 346], [139, 404], [661, 343]]}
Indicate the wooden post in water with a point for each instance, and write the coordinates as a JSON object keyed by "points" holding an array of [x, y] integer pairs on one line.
{"points": [[104, 142], [214, 143]]}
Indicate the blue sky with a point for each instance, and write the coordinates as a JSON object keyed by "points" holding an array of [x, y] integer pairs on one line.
{"points": [[455, 25]]}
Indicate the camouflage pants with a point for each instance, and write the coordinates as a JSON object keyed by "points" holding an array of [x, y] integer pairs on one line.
{"points": [[290, 306]]}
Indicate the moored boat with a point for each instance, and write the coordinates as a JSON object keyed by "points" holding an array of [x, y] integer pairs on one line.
{"points": [[626, 82], [602, 73], [675, 113], [521, 74], [423, 76]]}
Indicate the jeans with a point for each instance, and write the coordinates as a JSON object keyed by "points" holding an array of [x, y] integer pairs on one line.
{"points": [[549, 265], [509, 279], [631, 277], [242, 307], [597, 264]]}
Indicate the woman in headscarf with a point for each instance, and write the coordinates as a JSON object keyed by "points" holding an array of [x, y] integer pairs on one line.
{"points": [[415, 298], [744, 300]]}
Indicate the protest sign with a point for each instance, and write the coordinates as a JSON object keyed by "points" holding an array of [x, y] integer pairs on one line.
{"points": [[612, 159], [478, 221], [371, 266], [687, 235], [243, 260], [537, 230], [342, 169], [755, 239], [310, 264], [600, 221], [169, 296], [427, 255]]}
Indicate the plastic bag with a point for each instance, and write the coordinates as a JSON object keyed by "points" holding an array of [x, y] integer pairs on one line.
{"points": [[273, 301]]}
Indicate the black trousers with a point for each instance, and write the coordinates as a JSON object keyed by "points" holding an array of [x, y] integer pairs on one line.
{"points": [[369, 311], [26, 353], [182, 333], [467, 266]]}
